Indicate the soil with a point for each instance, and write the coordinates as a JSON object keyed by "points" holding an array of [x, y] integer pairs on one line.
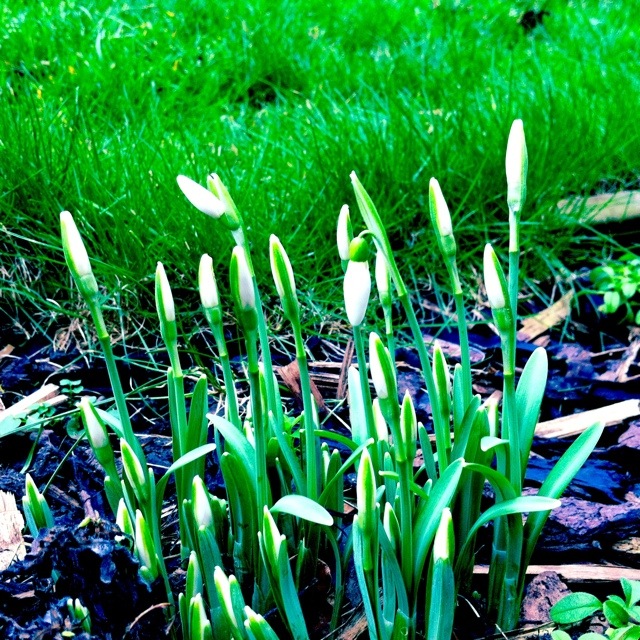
{"points": [[593, 363]]}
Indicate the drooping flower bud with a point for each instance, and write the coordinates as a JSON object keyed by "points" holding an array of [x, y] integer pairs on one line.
{"points": [[200, 197], [516, 165], [344, 234], [357, 289]]}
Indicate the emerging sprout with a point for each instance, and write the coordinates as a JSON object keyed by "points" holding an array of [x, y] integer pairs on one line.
{"points": [[200, 197]]}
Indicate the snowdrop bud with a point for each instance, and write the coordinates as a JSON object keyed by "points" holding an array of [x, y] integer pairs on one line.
{"points": [[201, 505], [494, 280], [123, 520], [441, 219], [199, 624], [344, 233], [144, 546], [382, 430], [200, 197], [383, 280], [366, 492], [95, 429], [231, 214], [134, 471], [443, 542], [409, 425], [164, 297], [439, 209], [516, 165], [76, 257], [242, 281], [283, 277], [74, 249], [381, 368], [207, 283], [357, 288]]}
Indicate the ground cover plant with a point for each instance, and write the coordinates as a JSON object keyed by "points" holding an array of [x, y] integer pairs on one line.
{"points": [[104, 103], [412, 538]]}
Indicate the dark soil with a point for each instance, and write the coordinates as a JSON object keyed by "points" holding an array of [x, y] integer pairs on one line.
{"points": [[93, 561]]}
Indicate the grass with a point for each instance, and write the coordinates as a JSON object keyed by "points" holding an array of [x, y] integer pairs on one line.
{"points": [[103, 103]]}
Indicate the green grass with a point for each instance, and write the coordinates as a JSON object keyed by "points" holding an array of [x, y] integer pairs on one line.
{"points": [[103, 103]]}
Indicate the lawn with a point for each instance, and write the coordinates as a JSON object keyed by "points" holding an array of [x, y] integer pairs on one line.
{"points": [[104, 103]]}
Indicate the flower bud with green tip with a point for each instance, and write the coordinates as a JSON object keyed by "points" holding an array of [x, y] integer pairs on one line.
{"points": [[366, 503], [409, 426], [123, 519], [232, 218], [441, 582], [77, 258], [344, 234], [383, 279], [516, 165], [257, 627], [202, 512], [79, 614], [145, 548], [243, 290], [381, 368], [208, 289], [382, 430], [284, 279], [497, 291], [199, 623], [392, 527], [441, 219], [98, 437], [230, 598], [166, 310], [200, 197], [135, 472]]}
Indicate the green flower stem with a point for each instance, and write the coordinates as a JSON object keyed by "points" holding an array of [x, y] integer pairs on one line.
{"points": [[514, 261], [311, 445], [425, 362], [229, 382], [509, 603], [260, 436], [116, 385], [365, 390], [463, 337]]}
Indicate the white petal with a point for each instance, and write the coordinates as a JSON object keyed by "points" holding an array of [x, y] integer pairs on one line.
{"points": [[200, 197], [357, 288], [492, 280]]}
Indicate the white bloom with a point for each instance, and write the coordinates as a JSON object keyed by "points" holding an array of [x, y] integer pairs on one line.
{"points": [[516, 165], [492, 281], [357, 288], [200, 197], [207, 283], [72, 241]]}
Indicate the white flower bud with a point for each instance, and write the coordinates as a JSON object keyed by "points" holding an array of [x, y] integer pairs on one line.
{"points": [[75, 249], [441, 210], [357, 288], [201, 505], [383, 281], [443, 542], [96, 432], [492, 281], [164, 297], [516, 165], [375, 366], [207, 283], [200, 197], [246, 293]]}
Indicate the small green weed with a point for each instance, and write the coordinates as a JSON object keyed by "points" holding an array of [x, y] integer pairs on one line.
{"points": [[618, 282]]}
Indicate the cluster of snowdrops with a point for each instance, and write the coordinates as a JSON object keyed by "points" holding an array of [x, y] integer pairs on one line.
{"points": [[412, 540]]}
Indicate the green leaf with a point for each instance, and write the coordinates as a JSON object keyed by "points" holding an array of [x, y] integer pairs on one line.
{"points": [[631, 589], [615, 613], [557, 481], [236, 442], [629, 632], [304, 508], [560, 635], [529, 395], [574, 607], [612, 301]]}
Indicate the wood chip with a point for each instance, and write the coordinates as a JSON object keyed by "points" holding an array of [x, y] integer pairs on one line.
{"points": [[577, 572], [605, 207], [290, 375], [47, 393], [11, 525], [535, 326], [578, 422], [344, 371], [6, 351]]}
